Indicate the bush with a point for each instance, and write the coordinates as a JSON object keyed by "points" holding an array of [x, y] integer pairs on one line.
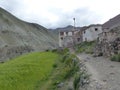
{"points": [[64, 68], [67, 67], [55, 65], [116, 58], [54, 50], [86, 47], [71, 64], [62, 51], [81, 79], [66, 50], [76, 82], [47, 50]]}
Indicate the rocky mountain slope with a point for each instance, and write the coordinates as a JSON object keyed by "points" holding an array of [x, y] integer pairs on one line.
{"points": [[113, 22], [17, 36], [67, 28]]}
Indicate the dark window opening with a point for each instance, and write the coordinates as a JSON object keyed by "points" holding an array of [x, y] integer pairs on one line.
{"points": [[61, 38], [66, 33], [96, 29], [84, 31], [78, 39], [105, 33], [72, 33], [61, 33]]}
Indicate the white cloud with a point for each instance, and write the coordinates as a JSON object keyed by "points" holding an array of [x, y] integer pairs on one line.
{"points": [[57, 13]]}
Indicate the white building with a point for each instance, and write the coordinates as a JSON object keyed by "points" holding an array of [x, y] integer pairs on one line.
{"points": [[91, 32]]}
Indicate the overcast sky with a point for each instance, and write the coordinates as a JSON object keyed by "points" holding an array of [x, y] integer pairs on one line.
{"points": [[60, 13]]}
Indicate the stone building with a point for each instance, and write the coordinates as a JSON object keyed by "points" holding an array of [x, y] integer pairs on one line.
{"points": [[68, 38], [91, 32], [109, 40], [65, 38]]}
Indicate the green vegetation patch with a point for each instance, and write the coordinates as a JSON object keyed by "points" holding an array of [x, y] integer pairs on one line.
{"points": [[64, 68], [86, 47], [116, 58], [41, 71], [28, 72]]}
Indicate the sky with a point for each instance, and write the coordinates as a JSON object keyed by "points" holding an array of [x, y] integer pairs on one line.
{"points": [[60, 13]]}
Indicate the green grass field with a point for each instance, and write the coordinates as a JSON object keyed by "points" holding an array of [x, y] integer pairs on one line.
{"points": [[27, 72]]}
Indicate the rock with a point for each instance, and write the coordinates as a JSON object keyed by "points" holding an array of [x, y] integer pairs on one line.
{"points": [[99, 86], [60, 85], [112, 73], [111, 66], [104, 80], [70, 88]]}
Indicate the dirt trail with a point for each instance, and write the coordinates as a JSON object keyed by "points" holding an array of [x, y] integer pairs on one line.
{"points": [[105, 74]]}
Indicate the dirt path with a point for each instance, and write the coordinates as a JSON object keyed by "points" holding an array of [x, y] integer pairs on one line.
{"points": [[105, 74]]}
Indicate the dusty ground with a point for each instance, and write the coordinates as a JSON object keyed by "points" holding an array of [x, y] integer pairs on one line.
{"points": [[105, 74]]}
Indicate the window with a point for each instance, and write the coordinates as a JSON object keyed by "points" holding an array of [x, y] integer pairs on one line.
{"points": [[72, 32], [96, 29], [78, 39], [61, 33], [61, 38], [105, 33], [66, 33], [84, 31]]}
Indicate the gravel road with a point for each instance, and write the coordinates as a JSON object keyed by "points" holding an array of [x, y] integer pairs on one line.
{"points": [[105, 74]]}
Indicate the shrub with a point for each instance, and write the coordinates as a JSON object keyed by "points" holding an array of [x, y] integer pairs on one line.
{"points": [[54, 50], [66, 50], [76, 82], [55, 65], [86, 47], [81, 79], [115, 57], [47, 50]]}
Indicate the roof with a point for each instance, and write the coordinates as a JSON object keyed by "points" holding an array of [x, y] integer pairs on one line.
{"points": [[92, 25]]}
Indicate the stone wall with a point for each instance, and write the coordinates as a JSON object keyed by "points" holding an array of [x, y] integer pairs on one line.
{"points": [[109, 44]]}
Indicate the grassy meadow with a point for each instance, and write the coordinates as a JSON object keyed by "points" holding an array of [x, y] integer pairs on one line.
{"points": [[39, 71], [27, 72]]}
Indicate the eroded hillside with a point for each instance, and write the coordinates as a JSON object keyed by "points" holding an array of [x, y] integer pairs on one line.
{"points": [[17, 36]]}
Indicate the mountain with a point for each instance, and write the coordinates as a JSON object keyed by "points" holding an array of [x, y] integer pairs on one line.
{"points": [[67, 28], [18, 37], [113, 22]]}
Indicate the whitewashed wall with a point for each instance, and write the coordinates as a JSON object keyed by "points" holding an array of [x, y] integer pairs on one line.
{"points": [[91, 34]]}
